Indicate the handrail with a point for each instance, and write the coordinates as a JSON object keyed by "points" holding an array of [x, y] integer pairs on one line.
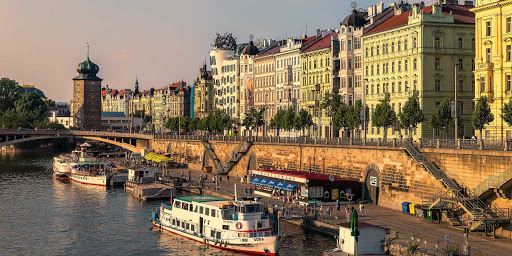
{"points": [[493, 181]]}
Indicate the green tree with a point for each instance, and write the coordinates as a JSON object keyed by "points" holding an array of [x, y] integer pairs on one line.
{"points": [[411, 115], [248, 119], [194, 124], [185, 123], [482, 115], [10, 91], [331, 103], [31, 108], [277, 121], [442, 119], [289, 119], [303, 121], [254, 119], [353, 116], [339, 119], [384, 116], [506, 112], [9, 119]]}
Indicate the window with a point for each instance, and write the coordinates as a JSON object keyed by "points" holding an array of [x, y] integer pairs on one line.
{"points": [[399, 65], [507, 25], [472, 64], [414, 64], [482, 84], [507, 81], [437, 85], [461, 85], [399, 45], [207, 211], [414, 42], [508, 52], [399, 86], [393, 47], [213, 212], [316, 192], [406, 64], [460, 43], [488, 54], [472, 85], [349, 46], [378, 88], [393, 67], [437, 42], [461, 64], [393, 87], [473, 43], [437, 63], [488, 28], [366, 51]]}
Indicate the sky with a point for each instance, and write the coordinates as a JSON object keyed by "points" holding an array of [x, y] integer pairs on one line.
{"points": [[158, 41]]}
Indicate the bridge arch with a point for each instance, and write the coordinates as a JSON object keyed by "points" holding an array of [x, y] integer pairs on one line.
{"points": [[251, 163], [33, 138]]}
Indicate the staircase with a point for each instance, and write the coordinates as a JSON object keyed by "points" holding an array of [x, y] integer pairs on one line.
{"points": [[236, 156], [492, 184], [473, 211], [211, 153]]}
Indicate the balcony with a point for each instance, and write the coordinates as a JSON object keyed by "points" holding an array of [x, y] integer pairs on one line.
{"points": [[486, 66]]}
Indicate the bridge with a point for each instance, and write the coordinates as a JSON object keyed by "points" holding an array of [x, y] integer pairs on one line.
{"points": [[133, 142]]}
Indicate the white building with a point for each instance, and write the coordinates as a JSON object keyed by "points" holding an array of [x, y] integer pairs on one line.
{"points": [[370, 240]]}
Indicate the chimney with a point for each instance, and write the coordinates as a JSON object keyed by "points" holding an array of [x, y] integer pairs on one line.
{"points": [[422, 4], [318, 33]]}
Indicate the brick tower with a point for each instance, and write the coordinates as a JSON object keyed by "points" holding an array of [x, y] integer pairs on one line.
{"points": [[87, 96]]}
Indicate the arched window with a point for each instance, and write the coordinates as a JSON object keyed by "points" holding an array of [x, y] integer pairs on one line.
{"points": [[405, 44], [414, 42], [461, 44], [399, 45]]}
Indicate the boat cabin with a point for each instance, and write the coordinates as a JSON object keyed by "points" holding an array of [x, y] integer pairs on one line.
{"points": [[305, 186]]}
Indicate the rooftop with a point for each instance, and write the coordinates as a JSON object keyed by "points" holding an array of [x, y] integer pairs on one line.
{"points": [[461, 15], [325, 42], [202, 199]]}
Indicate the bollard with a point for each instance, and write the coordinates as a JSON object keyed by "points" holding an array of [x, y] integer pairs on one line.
{"points": [[458, 143], [394, 142], [438, 143], [378, 142], [506, 145]]}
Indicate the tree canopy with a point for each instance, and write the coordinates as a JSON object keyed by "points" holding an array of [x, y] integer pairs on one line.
{"points": [[411, 115], [442, 119], [482, 115], [384, 116]]}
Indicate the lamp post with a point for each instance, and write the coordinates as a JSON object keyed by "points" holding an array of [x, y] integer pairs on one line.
{"points": [[456, 103], [364, 108]]}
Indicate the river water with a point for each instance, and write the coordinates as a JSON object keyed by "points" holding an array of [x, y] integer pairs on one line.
{"points": [[40, 215]]}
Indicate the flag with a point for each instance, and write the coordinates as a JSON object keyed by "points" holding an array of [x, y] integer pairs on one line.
{"points": [[354, 224]]}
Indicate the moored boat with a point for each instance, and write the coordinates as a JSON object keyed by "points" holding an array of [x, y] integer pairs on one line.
{"points": [[240, 226]]}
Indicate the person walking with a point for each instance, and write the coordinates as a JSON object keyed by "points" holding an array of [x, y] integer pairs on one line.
{"points": [[227, 177], [347, 213], [250, 191], [338, 205], [361, 209], [245, 191]]}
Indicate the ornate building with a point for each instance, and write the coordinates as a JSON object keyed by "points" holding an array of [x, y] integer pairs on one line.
{"points": [[494, 60], [247, 78], [87, 96], [414, 54], [204, 94]]}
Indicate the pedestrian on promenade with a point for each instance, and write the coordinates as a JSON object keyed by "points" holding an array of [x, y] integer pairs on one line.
{"points": [[321, 209], [284, 199], [361, 209], [329, 211], [220, 179], [227, 177], [282, 211], [338, 205], [237, 178], [347, 213], [245, 191], [250, 191]]}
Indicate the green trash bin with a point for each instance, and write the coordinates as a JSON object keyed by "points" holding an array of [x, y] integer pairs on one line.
{"points": [[434, 214], [425, 213]]}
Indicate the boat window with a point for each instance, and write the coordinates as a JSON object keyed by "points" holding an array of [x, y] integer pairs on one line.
{"points": [[213, 212], [200, 210], [195, 210], [213, 233], [173, 222], [177, 204], [178, 223], [192, 227], [225, 227], [188, 226], [259, 224], [219, 235], [227, 214], [252, 208], [184, 206], [252, 234], [183, 224], [207, 211], [191, 207]]}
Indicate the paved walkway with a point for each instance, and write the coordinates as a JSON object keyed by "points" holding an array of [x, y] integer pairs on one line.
{"points": [[410, 228]]}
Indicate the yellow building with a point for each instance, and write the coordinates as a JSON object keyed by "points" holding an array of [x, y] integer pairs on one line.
{"points": [[316, 81], [204, 95], [493, 60], [416, 53]]}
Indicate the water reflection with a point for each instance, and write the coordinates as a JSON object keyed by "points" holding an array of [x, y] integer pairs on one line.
{"points": [[41, 215]]}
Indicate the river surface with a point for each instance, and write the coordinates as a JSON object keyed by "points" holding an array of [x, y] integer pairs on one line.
{"points": [[40, 215]]}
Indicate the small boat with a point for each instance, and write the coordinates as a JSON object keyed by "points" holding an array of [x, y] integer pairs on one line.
{"points": [[61, 166], [239, 226]]}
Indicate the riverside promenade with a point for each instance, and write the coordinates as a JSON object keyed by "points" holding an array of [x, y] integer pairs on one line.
{"points": [[430, 235]]}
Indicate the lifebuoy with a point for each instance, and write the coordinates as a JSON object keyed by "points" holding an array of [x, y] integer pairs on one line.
{"points": [[238, 225]]}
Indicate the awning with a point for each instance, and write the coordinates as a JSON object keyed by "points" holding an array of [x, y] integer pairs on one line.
{"points": [[272, 183], [156, 158]]}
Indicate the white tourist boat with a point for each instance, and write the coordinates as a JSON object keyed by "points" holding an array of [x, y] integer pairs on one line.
{"points": [[83, 167], [236, 226]]}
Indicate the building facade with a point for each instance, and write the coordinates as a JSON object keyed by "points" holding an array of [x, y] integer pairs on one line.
{"points": [[86, 109], [264, 83], [493, 61], [316, 81], [247, 79], [414, 54]]}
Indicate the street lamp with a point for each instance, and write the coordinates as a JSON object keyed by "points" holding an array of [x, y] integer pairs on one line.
{"points": [[364, 107], [456, 103]]}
